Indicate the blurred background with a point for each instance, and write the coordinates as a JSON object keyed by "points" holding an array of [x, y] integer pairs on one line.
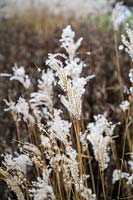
{"points": [[30, 29]]}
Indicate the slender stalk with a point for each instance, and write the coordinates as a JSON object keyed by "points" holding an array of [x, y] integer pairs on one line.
{"points": [[119, 76], [123, 152], [90, 164], [114, 153], [91, 173], [77, 132], [98, 182], [59, 187], [28, 197], [102, 181], [118, 65], [18, 132]]}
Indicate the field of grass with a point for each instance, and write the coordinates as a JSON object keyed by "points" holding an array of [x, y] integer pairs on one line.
{"points": [[66, 108]]}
